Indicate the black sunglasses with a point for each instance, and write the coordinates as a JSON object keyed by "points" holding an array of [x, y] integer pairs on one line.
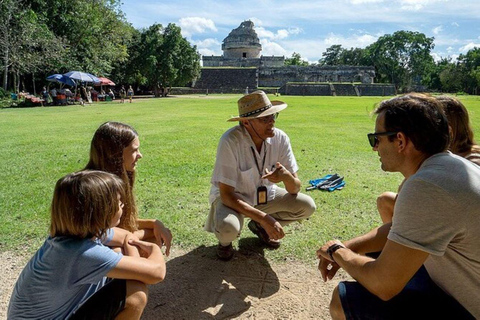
{"points": [[372, 137]]}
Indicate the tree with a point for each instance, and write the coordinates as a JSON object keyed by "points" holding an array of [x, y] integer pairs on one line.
{"points": [[27, 45], [331, 57], [167, 59], [470, 62], [402, 58], [296, 60]]}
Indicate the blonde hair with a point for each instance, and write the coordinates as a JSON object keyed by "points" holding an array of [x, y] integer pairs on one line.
{"points": [[106, 154], [84, 204], [462, 142]]}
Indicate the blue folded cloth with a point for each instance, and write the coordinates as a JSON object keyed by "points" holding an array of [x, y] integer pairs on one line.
{"points": [[329, 182]]}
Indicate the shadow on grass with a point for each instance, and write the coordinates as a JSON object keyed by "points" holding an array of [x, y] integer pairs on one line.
{"points": [[200, 286]]}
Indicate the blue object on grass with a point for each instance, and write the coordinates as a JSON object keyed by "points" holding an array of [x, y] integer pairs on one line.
{"points": [[330, 182]]}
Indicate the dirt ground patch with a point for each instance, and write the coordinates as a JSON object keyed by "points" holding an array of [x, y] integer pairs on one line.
{"points": [[199, 286]]}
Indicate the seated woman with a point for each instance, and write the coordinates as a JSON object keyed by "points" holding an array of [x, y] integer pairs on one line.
{"points": [[462, 143], [75, 274], [115, 148]]}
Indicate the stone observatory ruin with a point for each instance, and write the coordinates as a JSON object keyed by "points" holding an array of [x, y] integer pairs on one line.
{"points": [[242, 67]]}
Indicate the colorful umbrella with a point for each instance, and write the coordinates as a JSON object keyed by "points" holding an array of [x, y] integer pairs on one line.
{"points": [[82, 76], [60, 78], [105, 82]]}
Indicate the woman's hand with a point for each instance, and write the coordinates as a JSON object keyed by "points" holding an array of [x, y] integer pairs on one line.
{"points": [[163, 236]]}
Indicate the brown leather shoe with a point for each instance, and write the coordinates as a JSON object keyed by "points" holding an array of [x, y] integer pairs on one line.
{"points": [[257, 229], [225, 252]]}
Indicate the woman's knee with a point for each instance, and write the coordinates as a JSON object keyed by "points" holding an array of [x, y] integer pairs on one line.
{"points": [[137, 295], [385, 205], [336, 309]]}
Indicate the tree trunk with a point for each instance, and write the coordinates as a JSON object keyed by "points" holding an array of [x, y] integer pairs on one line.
{"points": [[5, 71]]}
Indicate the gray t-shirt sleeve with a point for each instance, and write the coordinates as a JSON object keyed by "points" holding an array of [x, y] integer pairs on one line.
{"points": [[422, 218]]}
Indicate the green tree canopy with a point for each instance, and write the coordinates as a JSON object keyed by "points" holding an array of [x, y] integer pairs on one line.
{"points": [[296, 60], [166, 59]]}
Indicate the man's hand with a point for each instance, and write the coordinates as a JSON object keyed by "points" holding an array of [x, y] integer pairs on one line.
{"points": [[272, 227], [163, 236], [277, 175], [327, 267]]}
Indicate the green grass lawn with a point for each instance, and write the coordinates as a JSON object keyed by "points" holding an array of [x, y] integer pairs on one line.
{"points": [[179, 137]]}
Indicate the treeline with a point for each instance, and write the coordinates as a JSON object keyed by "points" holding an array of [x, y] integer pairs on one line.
{"points": [[42, 37], [404, 59]]}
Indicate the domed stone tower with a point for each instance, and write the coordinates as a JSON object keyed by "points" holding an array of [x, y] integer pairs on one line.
{"points": [[242, 42]]}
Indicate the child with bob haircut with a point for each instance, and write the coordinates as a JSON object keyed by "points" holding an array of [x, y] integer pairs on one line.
{"points": [[115, 148], [75, 274]]}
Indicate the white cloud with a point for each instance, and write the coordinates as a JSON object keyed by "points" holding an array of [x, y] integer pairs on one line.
{"points": [[280, 34], [195, 25], [270, 48], [209, 42], [437, 30], [207, 52], [469, 47], [364, 1], [353, 41]]}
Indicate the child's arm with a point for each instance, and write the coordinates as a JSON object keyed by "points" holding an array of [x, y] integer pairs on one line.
{"points": [[150, 269], [154, 230]]}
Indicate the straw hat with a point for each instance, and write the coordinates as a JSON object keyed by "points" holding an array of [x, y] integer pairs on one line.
{"points": [[257, 105]]}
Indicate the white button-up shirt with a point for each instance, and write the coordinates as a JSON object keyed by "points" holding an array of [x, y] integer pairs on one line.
{"points": [[235, 165]]}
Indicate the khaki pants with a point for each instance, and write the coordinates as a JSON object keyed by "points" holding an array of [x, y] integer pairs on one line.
{"points": [[285, 208]]}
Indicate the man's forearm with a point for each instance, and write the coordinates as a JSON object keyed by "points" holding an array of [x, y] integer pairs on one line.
{"points": [[373, 241]]}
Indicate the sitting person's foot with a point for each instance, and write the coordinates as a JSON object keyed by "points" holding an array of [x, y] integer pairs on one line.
{"points": [[225, 252], [257, 229]]}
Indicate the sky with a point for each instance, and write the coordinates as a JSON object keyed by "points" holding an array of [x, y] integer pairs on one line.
{"points": [[309, 27]]}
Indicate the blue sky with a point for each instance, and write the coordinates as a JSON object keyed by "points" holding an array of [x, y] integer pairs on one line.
{"points": [[309, 27]]}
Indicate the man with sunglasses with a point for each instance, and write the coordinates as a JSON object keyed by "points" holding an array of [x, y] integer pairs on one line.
{"points": [[252, 158], [427, 263]]}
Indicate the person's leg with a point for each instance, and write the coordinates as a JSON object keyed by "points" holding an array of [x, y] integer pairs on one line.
{"points": [[106, 303], [385, 205], [287, 208], [420, 299], [336, 310], [135, 302], [227, 223]]}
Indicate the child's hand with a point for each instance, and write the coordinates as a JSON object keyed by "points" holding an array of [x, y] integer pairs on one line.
{"points": [[144, 248]]}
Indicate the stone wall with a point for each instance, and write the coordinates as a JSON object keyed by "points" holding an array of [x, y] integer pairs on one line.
{"points": [[376, 89], [278, 76], [263, 61], [227, 79], [337, 89], [298, 89]]}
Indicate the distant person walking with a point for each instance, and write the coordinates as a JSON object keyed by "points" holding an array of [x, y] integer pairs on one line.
{"points": [[123, 93], [130, 93]]}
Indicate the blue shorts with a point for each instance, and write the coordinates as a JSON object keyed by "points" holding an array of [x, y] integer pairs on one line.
{"points": [[420, 299]]}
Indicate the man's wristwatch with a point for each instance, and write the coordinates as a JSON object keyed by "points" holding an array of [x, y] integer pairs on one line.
{"points": [[334, 247]]}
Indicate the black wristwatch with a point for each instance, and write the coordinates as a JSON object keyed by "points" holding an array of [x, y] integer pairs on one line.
{"points": [[334, 247]]}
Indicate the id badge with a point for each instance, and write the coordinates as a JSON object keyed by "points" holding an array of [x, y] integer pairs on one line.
{"points": [[262, 195]]}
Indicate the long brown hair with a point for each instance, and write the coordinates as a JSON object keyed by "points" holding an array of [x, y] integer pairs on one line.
{"points": [[106, 154], [462, 142], [84, 204]]}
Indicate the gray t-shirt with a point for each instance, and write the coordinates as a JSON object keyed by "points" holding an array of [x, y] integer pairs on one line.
{"points": [[61, 275], [438, 211]]}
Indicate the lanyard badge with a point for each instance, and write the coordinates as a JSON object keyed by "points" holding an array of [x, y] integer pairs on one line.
{"points": [[262, 190]]}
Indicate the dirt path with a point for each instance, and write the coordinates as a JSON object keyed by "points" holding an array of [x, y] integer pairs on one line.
{"points": [[199, 286]]}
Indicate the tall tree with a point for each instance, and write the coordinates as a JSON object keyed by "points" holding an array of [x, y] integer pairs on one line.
{"points": [[402, 58], [331, 57], [167, 59]]}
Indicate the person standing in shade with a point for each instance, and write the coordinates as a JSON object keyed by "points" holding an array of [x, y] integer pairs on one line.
{"points": [[252, 158], [123, 93], [130, 93]]}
